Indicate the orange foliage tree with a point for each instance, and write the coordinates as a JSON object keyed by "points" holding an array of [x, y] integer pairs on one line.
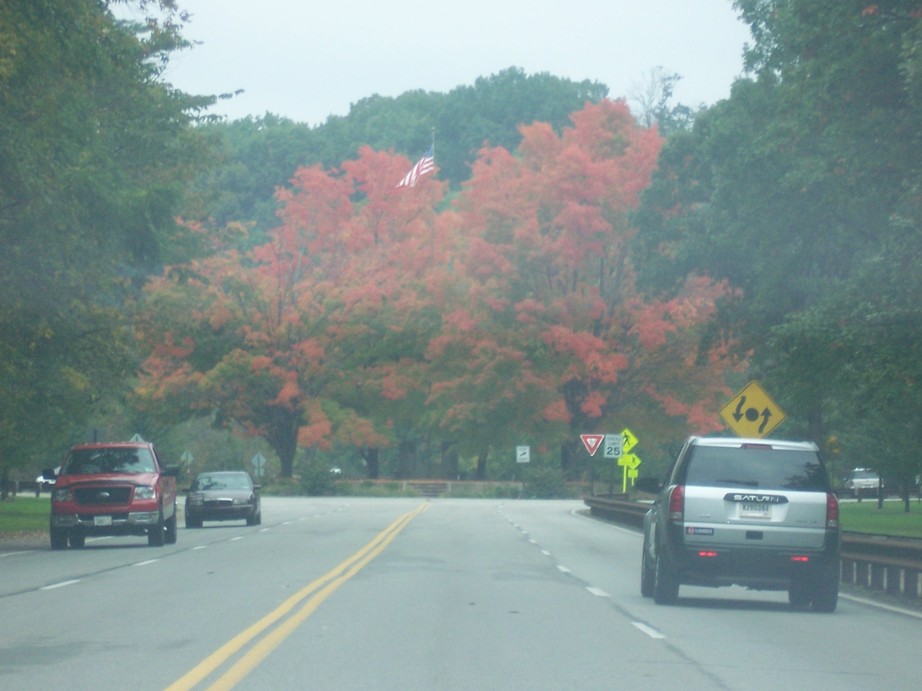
{"points": [[375, 315], [552, 338]]}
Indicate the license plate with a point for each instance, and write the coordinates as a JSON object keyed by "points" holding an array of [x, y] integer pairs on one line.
{"points": [[102, 520], [755, 510]]}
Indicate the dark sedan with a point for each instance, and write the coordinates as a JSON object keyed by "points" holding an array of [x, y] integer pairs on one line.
{"points": [[225, 495]]}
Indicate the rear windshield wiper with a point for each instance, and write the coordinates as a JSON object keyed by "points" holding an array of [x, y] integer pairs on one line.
{"points": [[741, 483]]}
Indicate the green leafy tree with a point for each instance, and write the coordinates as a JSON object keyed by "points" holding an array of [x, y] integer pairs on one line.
{"points": [[800, 190], [94, 150]]}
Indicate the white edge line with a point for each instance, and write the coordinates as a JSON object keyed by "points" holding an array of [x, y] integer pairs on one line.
{"points": [[881, 605], [598, 592], [59, 585], [649, 630], [563, 569], [145, 562]]}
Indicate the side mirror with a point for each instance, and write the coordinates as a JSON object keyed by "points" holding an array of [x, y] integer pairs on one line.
{"points": [[170, 470], [49, 474]]}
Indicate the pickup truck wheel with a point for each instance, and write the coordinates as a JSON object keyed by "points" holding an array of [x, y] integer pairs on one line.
{"points": [[157, 535], [665, 583], [170, 529], [58, 538], [77, 541]]}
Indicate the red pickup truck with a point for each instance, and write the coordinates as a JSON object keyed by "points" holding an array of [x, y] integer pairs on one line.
{"points": [[113, 488]]}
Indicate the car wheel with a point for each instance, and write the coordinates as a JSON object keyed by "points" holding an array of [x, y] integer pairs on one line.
{"points": [[253, 519], [665, 583], [157, 534], [58, 538], [193, 522], [77, 541], [170, 530], [826, 594], [647, 575]]}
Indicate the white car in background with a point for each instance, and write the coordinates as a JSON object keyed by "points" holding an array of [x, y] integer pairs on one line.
{"points": [[862, 482]]}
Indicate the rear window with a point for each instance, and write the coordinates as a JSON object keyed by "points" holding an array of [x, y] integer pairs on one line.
{"points": [[762, 468]]}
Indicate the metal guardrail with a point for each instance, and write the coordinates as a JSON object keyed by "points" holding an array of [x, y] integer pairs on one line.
{"points": [[879, 562]]}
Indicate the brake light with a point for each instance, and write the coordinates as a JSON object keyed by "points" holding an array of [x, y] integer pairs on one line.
{"points": [[707, 554], [800, 559], [677, 503], [832, 511]]}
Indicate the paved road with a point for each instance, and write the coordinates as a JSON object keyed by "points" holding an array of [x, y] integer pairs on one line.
{"points": [[344, 593]]}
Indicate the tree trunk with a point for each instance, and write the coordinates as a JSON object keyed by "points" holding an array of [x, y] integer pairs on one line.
{"points": [[283, 438], [481, 473], [406, 457], [372, 462]]}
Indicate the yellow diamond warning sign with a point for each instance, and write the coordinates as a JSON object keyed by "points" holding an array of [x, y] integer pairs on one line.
{"points": [[752, 413]]}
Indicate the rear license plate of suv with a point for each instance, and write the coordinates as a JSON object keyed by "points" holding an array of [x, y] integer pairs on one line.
{"points": [[102, 520], [755, 510]]}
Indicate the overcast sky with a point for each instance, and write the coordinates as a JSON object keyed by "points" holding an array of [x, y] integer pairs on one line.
{"points": [[307, 60]]}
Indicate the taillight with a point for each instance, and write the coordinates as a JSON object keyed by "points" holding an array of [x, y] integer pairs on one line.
{"points": [[677, 503], [832, 511]]}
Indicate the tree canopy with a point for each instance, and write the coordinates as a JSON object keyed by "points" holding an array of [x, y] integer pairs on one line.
{"points": [[94, 149], [803, 191], [374, 317]]}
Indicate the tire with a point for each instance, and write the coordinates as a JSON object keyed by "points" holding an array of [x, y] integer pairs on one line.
{"points": [[192, 522], [58, 538], [77, 541], [156, 536], [170, 529], [665, 583], [800, 594], [826, 592], [647, 574], [253, 519]]}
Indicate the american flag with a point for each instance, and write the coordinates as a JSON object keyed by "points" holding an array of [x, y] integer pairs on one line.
{"points": [[424, 165]]}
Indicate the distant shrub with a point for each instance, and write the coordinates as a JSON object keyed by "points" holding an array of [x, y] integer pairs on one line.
{"points": [[545, 483]]}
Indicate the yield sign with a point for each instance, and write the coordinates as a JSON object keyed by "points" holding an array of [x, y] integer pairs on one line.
{"points": [[592, 442]]}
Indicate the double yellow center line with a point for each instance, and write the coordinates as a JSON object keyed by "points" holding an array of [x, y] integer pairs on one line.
{"points": [[312, 595]]}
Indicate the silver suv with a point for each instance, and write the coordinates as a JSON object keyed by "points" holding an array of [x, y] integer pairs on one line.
{"points": [[752, 512]]}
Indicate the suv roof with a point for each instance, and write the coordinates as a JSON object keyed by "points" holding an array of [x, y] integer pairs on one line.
{"points": [[753, 442]]}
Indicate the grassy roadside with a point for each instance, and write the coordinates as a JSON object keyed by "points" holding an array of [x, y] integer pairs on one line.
{"points": [[24, 514], [865, 517], [27, 514]]}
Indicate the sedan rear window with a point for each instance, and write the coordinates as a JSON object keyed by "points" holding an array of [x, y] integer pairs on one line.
{"points": [[763, 468]]}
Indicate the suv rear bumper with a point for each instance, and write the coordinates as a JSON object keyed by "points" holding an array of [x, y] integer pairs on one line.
{"points": [[752, 567]]}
